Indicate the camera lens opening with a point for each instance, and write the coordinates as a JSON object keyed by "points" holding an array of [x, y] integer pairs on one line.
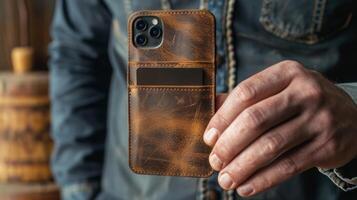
{"points": [[141, 25], [155, 32], [141, 40]]}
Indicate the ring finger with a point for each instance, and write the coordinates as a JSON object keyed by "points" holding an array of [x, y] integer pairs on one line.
{"points": [[263, 151]]}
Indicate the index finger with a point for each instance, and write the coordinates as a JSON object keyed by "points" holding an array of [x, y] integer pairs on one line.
{"points": [[256, 88]]}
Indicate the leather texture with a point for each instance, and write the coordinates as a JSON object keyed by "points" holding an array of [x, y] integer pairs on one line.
{"points": [[167, 122]]}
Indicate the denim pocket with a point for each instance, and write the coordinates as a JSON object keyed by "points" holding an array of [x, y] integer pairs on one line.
{"points": [[306, 21]]}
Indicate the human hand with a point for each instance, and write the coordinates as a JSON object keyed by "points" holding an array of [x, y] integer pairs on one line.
{"points": [[277, 124]]}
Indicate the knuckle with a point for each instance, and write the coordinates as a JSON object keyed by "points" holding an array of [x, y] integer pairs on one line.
{"points": [[249, 160], [253, 118], [313, 74], [314, 93], [272, 145], [333, 147], [219, 120], [265, 182], [288, 167], [327, 120], [222, 151], [245, 92], [292, 66], [235, 170]]}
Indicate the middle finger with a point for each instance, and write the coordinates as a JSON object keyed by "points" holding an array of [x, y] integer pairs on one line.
{"points": [[250, 124], [264, 151]]}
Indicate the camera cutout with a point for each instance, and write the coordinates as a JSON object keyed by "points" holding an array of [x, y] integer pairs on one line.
{"points": [[141, 25], [155, 32], [147, 32], [141, 40]]}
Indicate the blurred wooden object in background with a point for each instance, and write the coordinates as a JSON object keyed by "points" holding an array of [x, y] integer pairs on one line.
{"points": [[40, 15], [29, 192], [25, 144], [22, 59]]}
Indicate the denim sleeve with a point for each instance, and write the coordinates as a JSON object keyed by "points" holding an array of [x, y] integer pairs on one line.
{"points": [[345, 177], [80, 77]]}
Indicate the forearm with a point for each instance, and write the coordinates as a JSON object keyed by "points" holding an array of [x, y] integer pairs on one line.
{"points": [[80, 76], [79, 107]]}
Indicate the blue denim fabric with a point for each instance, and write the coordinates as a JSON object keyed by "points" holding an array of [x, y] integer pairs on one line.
{"points": [[88, 87]]}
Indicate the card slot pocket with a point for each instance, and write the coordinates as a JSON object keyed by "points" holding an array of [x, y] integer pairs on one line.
{"points": [[174, 75], [170, 121]]}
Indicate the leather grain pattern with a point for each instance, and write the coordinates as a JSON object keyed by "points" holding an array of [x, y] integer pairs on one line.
{"points": [[167, 122]]}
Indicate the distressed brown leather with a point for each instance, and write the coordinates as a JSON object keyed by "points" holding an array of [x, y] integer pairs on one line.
{"points": [[167, 122]]}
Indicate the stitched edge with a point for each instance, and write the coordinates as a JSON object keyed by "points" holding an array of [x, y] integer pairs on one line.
{"points": [[213, 90], [230, 46], [173, 88], [190, 64], [318, 15], [202, 186], [175, 12]]}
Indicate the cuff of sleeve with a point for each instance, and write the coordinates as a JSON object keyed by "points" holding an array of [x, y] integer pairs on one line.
{"points": [[80, 191], [344, 177], [350, 89]]}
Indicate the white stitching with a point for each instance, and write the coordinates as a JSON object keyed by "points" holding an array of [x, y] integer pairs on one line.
{"points": [[230, 45]]}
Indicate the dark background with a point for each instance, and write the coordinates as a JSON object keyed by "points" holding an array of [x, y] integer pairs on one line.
{"points": [[39, 18]]}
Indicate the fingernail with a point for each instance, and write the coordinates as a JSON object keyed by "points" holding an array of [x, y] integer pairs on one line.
{"points": [[216, 163], [211, 136], [225, 181], [245, 190]]}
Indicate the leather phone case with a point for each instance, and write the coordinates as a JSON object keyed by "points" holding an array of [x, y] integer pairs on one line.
{"points": [[167, 120]]}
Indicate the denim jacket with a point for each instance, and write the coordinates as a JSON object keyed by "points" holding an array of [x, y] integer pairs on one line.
{"points": [[88, 89]]}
